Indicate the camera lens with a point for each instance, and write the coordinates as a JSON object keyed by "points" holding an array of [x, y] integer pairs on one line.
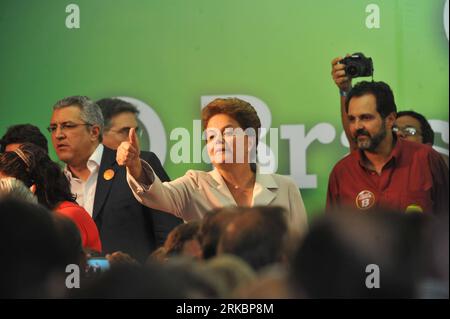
{"points": [[352, 70]]}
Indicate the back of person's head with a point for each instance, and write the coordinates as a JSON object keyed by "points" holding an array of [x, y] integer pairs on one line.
{"points": [[232, 271], [194, 279], [23, 133], [30, 164], [12, 188], [121, 259], [180, 237], [436, 281], [153, 281], [90, 112], [258, 236], [212, 226], [111, 107], [271, 283], [70, 239], [31, 255], [382, 92], [425, 127], [345, 254], [158, 255]]}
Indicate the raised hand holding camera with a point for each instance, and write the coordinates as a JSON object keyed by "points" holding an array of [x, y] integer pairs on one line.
{"points": [[343, 82], [357, 65]]}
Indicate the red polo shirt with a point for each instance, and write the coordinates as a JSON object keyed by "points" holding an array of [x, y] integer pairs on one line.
{"points": [[414, 178]]}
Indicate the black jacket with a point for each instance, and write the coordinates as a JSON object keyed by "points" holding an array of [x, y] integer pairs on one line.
{"points": [[124, 224]]}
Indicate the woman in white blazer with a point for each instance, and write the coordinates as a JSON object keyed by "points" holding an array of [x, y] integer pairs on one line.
{"points": [[234, 181]]}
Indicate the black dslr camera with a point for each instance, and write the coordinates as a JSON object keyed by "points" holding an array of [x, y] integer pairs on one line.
{"points": [[357, 65]]}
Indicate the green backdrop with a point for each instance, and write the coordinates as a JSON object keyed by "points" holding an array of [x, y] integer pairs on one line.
{"points": [[170, 53]]}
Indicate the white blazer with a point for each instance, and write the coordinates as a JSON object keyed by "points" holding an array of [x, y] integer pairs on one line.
{"points": [[197, 192]]}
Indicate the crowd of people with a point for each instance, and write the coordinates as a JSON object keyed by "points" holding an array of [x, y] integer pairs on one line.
{"points": [[232, 232]]}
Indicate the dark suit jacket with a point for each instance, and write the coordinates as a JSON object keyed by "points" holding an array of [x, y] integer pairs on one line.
{"points": [[124, 224]]}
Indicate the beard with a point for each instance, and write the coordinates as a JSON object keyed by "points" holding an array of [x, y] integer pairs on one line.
{"points": [[372, 142]]}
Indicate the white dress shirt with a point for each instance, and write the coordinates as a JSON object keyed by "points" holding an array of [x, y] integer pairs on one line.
{"points": [[197, 192], [85, 190]]}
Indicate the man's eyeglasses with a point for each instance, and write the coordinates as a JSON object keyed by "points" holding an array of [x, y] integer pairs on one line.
{"points": [[65, 126], [407, 131]]}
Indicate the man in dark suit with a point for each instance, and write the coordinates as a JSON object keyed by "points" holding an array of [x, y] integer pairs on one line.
{"points": [[100, 184]]}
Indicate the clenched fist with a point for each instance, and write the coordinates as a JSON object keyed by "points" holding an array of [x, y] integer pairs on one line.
{"points": [[128, 154]]}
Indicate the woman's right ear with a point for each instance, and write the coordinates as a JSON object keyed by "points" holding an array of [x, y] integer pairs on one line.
{"points": [[33, 188]]}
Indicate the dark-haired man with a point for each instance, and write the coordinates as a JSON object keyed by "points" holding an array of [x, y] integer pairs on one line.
{"points": [[385, 171], [119, 117], [409, 125], [414, 127], [16, 135]]}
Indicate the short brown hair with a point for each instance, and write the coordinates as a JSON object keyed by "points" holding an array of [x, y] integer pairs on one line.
{"points": [[179, 236], [243, 112]]}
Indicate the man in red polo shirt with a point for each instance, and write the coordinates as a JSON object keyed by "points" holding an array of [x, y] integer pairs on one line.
{"points": [[385, 172]]}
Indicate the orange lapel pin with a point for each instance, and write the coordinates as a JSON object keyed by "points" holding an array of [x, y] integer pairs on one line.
{"points": [[108, 174]]}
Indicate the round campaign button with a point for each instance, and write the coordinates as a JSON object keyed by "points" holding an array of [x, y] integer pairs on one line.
{"points": [[365, 199], [108, 174]]}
